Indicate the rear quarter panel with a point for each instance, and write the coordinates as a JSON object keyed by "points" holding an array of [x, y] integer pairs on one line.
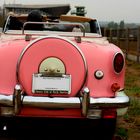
{"points": [[100, 57], [9, 54]]}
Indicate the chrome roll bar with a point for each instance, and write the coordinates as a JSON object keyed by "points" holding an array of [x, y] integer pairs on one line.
{"points": [[81, 26]]}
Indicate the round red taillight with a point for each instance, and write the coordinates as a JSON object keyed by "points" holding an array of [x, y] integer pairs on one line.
{"points": [[118, 62]]}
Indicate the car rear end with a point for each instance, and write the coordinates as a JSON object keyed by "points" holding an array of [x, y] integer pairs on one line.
{"points": [[65, 82]]}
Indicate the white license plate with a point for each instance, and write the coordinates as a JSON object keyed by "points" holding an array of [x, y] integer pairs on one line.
{"points": [[44, 84]]}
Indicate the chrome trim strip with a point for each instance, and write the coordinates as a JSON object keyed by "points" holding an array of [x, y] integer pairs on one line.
{"points": [[99, 27], [7, 20], [120, 101]]}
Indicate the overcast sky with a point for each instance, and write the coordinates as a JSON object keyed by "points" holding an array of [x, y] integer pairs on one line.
{"points": [[103, 10]]}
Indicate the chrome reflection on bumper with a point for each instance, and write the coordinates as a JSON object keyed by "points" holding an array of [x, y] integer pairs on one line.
{"points": [[120, 101], [6, 100], [47, 102]]}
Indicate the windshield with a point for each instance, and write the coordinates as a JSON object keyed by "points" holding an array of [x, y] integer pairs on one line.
{"points": [[91, 26]]}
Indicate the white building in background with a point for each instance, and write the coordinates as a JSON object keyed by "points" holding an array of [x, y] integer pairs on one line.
{"points": [[54, 10]]}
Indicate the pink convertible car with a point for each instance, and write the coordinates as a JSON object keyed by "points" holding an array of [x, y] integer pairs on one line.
{"points": [[60, 70]]}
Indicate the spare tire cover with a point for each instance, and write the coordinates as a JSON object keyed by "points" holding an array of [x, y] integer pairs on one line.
{"points": [[52, 46]]}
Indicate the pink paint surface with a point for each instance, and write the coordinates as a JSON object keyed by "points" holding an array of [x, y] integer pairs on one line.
{"points": [[98, 57]]}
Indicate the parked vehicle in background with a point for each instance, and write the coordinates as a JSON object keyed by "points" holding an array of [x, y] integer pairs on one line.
{"points": [[54, 73]]}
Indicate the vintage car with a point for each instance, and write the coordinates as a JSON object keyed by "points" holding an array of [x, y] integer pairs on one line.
{"points": [[54, 72]]}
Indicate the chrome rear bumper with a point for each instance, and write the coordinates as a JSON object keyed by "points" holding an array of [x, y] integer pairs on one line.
{"points": [[85, 102], [120, 101]]}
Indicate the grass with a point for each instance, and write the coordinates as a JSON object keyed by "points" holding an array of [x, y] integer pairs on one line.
{"points": [[134, 108], [132, 86], [132, 78], [128, 127]]}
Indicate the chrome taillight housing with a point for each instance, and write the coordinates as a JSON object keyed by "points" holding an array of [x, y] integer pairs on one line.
{"points": [[118, 62]]}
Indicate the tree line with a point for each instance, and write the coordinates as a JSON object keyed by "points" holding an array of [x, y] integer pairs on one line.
{"points": [[115, 25], [121, 25]]}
